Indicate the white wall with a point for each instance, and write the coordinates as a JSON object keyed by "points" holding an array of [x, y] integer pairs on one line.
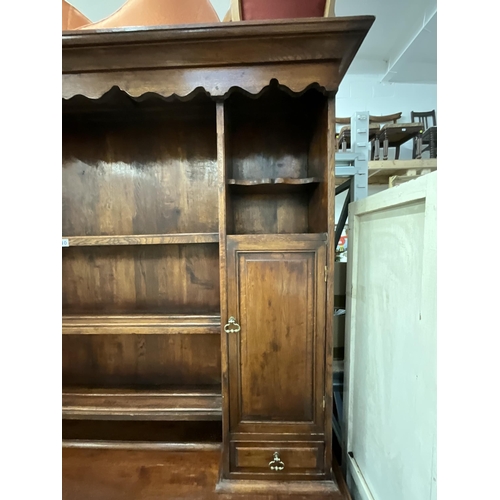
{"points": [[221, 7], [366, 93]]}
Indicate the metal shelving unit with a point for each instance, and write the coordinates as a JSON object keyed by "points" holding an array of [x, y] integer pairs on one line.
{"points": [[353, 165]]}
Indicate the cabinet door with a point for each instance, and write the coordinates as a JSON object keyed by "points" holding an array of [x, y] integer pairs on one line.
{"points": [[276, 294]]}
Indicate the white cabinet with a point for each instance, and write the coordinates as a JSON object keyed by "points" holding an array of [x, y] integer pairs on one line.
{"points": [[390, 386]]}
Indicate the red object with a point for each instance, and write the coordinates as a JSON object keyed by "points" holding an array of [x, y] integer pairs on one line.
{"points": [[281, 9]]}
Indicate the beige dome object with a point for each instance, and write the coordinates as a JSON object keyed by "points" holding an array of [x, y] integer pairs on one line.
{"points": [[72, 18], [158, 13]]}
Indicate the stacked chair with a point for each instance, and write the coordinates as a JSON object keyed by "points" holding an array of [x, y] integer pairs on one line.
{"points": [[385, 130], [428, 137]]}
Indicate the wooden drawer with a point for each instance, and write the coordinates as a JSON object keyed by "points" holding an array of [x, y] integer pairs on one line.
{"points": [[294, 457]]}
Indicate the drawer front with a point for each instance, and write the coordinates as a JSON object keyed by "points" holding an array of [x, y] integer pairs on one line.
{"points": [[277, 458]]}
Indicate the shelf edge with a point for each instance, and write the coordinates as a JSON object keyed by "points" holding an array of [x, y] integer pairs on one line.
{"points": [[142, 239], [141, 325]]}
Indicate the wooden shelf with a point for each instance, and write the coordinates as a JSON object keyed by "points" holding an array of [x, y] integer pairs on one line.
{"points": [[142, 239], [274, 186], [141, 325], [380, 171], [126, 404], [278, 238], [138, 445]]}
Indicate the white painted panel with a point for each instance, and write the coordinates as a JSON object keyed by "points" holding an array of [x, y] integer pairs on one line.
{"points": [[391, 343]]}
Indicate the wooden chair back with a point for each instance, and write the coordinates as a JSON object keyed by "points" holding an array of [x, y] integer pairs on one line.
{"points": [[424, 117], [342, 121], [386, 118]]}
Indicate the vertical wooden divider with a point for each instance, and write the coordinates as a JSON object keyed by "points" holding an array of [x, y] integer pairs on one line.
{"points": [[330, 333], [222, 189]]}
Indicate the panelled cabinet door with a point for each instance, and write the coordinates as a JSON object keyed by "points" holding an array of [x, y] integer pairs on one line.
{"points": [[276, 342]]}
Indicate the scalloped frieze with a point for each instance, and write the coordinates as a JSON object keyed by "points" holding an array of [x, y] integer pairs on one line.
{"points": [[218, 82]]}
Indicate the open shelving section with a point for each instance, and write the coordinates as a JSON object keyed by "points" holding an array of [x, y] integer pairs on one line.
{"points": [[276, 162], [198, 255], [142, 239], [141, 294], [278, 185], [141, 324], [123, 404]]}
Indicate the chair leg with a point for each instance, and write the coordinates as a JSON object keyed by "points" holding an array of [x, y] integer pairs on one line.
{"points": [[433, 146], [377, 148], [419, 146]]}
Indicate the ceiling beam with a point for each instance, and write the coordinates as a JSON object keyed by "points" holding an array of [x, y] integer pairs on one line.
{"points": [[397, 58]]}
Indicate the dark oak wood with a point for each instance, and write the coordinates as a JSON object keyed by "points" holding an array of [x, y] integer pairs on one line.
{"points": [[270, 213], [129, 474], [144, 239], [143, 172], [122, 404], [140, 361], [150, 279], [141, 325], [140, 433], [275, 241], [279, 180], [273, 187], [198, 184], [281, 338], [271, 136], [297, 459], [279, 489], [330, 333], [225, 207], [146, 474], [216, 57], [318, 166], [282, 188], [139, 445]]}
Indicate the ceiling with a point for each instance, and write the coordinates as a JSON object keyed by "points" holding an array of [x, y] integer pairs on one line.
{"points": [[400, 47], [402, 43]]}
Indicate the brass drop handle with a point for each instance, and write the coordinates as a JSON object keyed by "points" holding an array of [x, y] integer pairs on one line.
{"points": [[232, 323], [276, 463]]}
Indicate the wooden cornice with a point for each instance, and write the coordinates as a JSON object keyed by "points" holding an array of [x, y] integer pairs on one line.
{"points": [[177, 60]]}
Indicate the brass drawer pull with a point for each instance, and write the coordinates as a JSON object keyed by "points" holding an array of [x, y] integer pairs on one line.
{"points": [[229, 327], [276, 463]]}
